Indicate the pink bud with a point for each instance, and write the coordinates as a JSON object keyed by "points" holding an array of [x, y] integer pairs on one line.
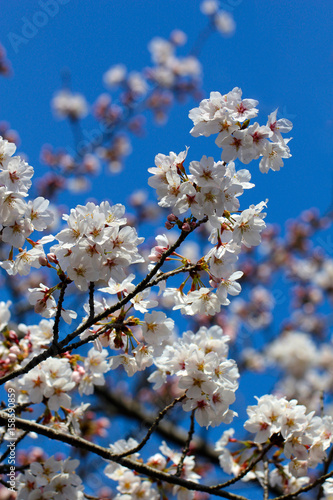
{"points": [[81, 370], [186, 227], [172, 218], [168, 225], [52, 258], [12, 336], [76, 377], [14, 350], [43, 260]]}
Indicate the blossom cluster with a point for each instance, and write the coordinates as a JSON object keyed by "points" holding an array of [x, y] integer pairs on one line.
{"points": [[208, 378], [133, 487], [97, 247], [305, 437], [94, 246], [18, 218], [302, 437], [49, 480], [170, 77], [211, 190], [229, 116], [155, 330]]}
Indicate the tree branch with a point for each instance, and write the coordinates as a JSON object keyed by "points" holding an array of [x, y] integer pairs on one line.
{"points": [[186, 447], [319, 480], [153, 427], [56, 349], [166, 429], [58, 314], [105, 453]]}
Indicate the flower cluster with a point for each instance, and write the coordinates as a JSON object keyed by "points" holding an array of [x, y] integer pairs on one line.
{"points": [[155, 331], [208, 378], [305, 437], [171, 71], [51, 479], [221, 19], [51, 381], [229, 116], [18, 218], [210, 190], [69, 105], [133, 486], [94, 246]]}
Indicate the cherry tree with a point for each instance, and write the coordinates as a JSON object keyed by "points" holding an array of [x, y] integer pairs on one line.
{"points": [[125, 356]]}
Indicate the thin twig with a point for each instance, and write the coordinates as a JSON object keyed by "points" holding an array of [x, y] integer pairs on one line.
{"points": [[164, 276], [246, 470], [139, 467], [91, 300], [327, 463], [319, 480], [153, 427], [202, 38], [186, 447], [132, 409], [57, 348], [58, 313]]}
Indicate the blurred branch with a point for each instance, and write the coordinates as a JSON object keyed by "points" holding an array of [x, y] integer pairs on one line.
{"points": [[105, 453], [130, 408]]}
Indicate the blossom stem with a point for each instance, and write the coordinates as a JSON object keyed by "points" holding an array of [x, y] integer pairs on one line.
{"points": [[58, 313], [186, 447], [161, 414], [106, 453]]}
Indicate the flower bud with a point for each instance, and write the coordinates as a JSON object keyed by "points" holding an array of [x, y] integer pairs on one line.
{"points": [[172, 218], [52, 258], [12, 336], [43, 260]]}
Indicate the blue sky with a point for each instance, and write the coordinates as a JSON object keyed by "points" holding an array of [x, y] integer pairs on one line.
{"points": [[281, 54]]}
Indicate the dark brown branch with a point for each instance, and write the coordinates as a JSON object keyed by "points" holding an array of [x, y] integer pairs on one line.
{"points": [[166, 429], [56, 349], [91, 300], [17, 441], [328, 462], [105, 453], [58, 314], [246, 470], [153, 427], [186, 447], [309, 487], [5, 484]]}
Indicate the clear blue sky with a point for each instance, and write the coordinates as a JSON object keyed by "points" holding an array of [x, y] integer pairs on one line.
{"points": [[281, 55]]}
